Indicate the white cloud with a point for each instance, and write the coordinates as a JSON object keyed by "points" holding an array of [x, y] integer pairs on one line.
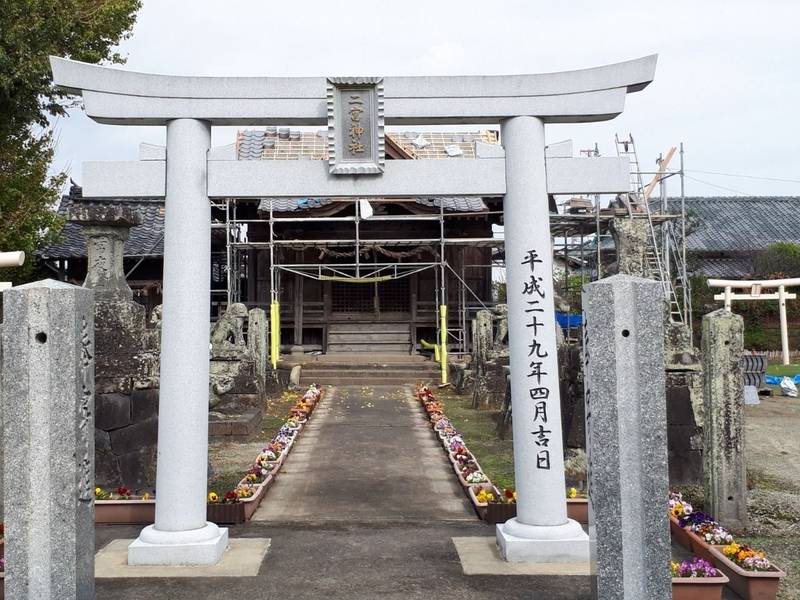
{"points": [[726, 82]]}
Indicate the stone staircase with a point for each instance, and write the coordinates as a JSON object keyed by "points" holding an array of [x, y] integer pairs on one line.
{"points": [[369, 337], [363, 370]]}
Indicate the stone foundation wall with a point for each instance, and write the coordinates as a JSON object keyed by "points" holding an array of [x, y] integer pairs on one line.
{"points": [[126, 432]]}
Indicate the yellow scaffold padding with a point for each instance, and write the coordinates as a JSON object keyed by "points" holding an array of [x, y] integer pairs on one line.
{"points": [[356, 279], [274, 333], [428, 346], [443, 341]]}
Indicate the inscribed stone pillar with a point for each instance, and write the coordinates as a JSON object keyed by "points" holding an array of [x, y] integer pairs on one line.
{"points": [[632, 238], [626, 437], [257, 328], [48, 404], [541, 531], [181, 535], [106, 230], [723, 427]]}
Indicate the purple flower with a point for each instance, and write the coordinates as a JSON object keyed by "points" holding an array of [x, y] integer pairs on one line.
{"points": [[697, 567]]}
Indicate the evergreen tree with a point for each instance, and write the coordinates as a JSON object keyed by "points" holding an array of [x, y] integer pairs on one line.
{"points": [[30, 31]]}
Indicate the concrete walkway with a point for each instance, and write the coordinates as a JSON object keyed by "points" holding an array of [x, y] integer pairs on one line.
{"points": [[366, 508], [367, 455]]}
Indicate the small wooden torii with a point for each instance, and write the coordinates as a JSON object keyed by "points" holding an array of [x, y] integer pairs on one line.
{"points": [[755, 294]]}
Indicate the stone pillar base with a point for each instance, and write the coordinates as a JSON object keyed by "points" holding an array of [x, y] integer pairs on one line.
{"points": [[557, 544], [203, 546]]}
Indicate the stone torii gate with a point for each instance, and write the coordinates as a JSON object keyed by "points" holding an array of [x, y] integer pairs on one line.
{"points": [[755, 294], [355, 111]]}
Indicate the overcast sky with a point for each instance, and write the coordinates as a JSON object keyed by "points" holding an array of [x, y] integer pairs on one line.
{"points": [[726, 85]]}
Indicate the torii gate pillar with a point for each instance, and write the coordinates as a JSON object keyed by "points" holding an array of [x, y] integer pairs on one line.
{"points": [[541, 531], [181, 534]]}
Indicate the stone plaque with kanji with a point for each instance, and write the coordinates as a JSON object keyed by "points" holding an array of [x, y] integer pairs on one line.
{"points": [[355, 125]]}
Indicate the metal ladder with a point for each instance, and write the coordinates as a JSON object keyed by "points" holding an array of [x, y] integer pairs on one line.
{"points": [[640, 205]]}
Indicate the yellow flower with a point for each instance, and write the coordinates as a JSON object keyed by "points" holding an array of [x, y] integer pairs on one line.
{"points": [[98, 491], [146, 496], [212, 497], [572, 493]]}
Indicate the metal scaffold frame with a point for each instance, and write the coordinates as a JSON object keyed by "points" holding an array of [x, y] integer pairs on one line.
{"points": [[577, 239]]}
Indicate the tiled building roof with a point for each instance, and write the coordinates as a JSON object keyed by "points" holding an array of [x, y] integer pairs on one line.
{"points": [[146, 239], [288, 144], [740, 224], [451, 204]]}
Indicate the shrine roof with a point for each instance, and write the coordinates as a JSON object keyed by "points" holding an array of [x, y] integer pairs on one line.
{"points": [[451, 203], [260, 144], [146, 239]]}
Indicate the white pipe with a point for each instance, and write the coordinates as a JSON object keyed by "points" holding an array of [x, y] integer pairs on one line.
{"points": [[12, 259], [784, 326], [767, 283]]}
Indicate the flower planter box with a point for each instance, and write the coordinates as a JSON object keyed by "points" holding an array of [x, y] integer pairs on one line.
{"points": [[698, 588], [463, 481], [680, 534], [500, 513], [474, 490], [252, 503], [690, 540], [229, 514], [452, 458], [750, 585], [125, 512], [578, 510]]}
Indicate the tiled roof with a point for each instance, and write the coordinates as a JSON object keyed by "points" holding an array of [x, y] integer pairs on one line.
{"points": [[724, 268], [451, 204], [740, 224], [287, 144], [146, 239]]}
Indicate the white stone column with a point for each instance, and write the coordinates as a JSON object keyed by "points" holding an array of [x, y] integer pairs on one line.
{"points": [[541, 531], [181, 535]]}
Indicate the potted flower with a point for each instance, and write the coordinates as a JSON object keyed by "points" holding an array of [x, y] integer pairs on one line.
{"points": [[701, 531], [577, 506], [476, 477], [123, 507], [481, 495], [696, 579], [226, 508], [679, 509], [461, 457], [503, 508], [751, 574]]}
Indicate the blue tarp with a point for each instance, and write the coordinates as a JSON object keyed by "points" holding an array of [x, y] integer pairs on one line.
{"points": [[568, 320], [776, 379]]}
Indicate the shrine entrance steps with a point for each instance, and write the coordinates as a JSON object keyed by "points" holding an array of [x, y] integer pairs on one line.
{"points": [[376, 336], [358, 369]]}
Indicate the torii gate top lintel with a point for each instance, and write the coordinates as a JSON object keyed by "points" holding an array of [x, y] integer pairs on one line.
{"points": [[115, 96]]}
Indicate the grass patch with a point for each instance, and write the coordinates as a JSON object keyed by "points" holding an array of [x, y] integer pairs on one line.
{"points": [[224, 482], [784, 370], [236, 455], [760, 480], [479, 427], [276, 411]]}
